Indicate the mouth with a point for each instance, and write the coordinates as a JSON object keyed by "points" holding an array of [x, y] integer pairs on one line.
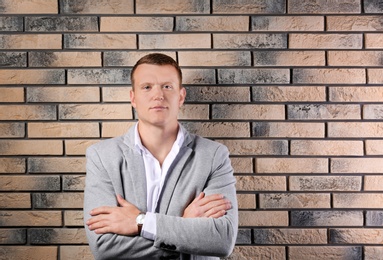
{"points": [[158, 108]]}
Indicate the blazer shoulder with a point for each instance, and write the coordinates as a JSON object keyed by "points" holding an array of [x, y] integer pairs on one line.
{"points": [[108, 146], [209, 146]]}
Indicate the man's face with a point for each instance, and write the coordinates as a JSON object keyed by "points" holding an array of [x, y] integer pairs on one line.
{"points": [[157, 94]]}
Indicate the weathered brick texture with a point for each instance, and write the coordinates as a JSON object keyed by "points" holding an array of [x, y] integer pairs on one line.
{"points": [[293, 88]]}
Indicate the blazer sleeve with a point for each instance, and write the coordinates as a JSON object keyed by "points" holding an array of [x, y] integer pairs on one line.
{"points": [[100, 191], [204, 236]]}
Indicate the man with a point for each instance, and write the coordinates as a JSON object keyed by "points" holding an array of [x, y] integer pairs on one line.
{"points": [[159, 192]]}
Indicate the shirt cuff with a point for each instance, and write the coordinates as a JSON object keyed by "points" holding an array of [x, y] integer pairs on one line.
{"points": [[149, 228]]}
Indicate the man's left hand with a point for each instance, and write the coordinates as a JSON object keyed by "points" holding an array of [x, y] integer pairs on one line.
{"points": [[118, 220]]}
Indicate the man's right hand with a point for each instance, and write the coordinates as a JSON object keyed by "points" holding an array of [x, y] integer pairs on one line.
{"points": [[211, 206]]}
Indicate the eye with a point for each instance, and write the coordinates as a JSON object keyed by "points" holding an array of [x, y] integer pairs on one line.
{"points": [[167, 87], [146, 87]]}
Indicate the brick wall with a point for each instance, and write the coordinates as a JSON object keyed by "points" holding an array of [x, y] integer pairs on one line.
{"points": [[293, 88]]}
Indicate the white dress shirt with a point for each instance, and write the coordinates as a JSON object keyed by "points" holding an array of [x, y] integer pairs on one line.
{"points": [[155, 177]]}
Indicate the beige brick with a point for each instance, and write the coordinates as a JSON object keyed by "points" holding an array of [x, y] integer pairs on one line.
{"points": [[258, 252], [32, 76], [373, 183], [30, 252], [173, 7], [198, 76], [375, 76], [29, 183], [287, 23], [288, 130], [354, 23], [73, 218], [374, 147], [30, 41], [242, 165], [248, 111], [356, 165], [174, 41], [58, 200], [289, 58], [212, 23], [218, 129], [373, 111], [249, 41], [362, 58], [246, 201], [324, 6], [97, 7], [30, 218], [28, 112], [78, 147], [263, 218], [289, 94], [12, 165], [188, 112], [116, 94], [31, 147], [113, 129], [329, 76], [356, 236], [355, 129], [253, 76], [136, 24], [56, 164], [12, 94], [326, 148], [356, 94], [290, 236], [330, 252], [73, 182], [261, 183], [68, 130], [373, 40], [75, 252], [29, 7], [358, 200], [15, 200], [294, 200], [373, 252], [13, 236], [94, 111], [217, 94], [100, 41], [214, 58], [65, 59], [12, 130], [325, 183], [63, 94], [326, 218], [325, 41], [57, 236], [128, 58], [248, 6], [256, 147], [291, 165]]}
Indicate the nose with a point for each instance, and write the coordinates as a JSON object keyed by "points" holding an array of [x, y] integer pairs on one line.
{"points": [[158, 94]]}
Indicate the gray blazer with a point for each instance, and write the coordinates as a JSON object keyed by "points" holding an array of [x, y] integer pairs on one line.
{"points": [[114, 166]]}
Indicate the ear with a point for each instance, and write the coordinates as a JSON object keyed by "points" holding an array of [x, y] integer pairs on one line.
{"points": [[182, 96], [132, 98]]}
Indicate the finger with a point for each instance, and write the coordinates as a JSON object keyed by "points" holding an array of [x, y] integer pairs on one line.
{"points": [[199, 197], [100, 210], [121, 201], [210, 198], [219, 214], [216, 206]]}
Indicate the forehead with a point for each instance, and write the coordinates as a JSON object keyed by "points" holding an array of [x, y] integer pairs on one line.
{"points": [[155, 73]]}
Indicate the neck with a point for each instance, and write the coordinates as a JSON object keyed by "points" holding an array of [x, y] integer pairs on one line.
{"points": [[158, 140]]}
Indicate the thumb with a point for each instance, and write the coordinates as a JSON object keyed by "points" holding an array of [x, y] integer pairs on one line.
{"points": [[199, 197], [121, 201]]}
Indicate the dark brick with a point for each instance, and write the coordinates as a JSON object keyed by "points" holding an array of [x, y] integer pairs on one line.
{"points": [[61, 24], [243, 236], [326, 218], [72, 183], [99, 76], [198, 76], [253, 76], [374, 218], [250, 41], [217, 94], [13, 236], [373, 6], [11, 24], [13, 59], [57, 236], [261, 129], [324, 6], [12, 130]]}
